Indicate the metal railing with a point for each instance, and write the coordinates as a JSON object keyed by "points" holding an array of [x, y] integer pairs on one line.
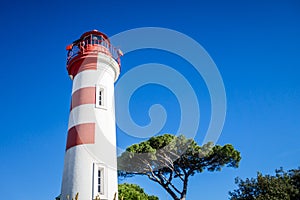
{"points": [[82, 47]]}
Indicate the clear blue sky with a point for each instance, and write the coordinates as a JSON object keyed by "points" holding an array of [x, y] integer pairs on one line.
{"points": [[255, 45]]}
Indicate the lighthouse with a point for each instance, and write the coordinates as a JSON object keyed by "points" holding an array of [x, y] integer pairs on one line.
{"points": [[90, 164]]}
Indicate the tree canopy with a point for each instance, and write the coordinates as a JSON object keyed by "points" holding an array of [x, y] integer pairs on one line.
{"points": [[285, 185], [133, 192], [166, 158]]}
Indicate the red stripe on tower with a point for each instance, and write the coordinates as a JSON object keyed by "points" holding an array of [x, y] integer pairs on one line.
{"points": [[83, 96], [81, 134], [82, 63]]}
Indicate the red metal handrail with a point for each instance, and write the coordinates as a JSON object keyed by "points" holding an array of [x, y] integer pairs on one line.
{"points": [[82, 46]]}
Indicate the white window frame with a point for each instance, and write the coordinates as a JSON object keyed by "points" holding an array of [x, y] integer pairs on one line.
{"points": [[102, 89], [103, 193]]}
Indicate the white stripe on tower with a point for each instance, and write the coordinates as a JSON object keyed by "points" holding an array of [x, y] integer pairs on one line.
{"points": [[84, 79], [86, 115]]}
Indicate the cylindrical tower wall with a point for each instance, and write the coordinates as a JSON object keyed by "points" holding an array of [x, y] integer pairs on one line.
{"points": [[90, 161]]}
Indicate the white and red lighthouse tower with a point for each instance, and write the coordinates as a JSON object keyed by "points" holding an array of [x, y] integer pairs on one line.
{"points": [[90, 165]]}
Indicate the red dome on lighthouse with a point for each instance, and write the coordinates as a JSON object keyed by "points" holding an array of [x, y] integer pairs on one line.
{"points": [[82, 53], [95, 32]]}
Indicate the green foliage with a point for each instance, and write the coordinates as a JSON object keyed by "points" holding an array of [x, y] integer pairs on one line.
{"points": [[157, 152], [167, 157], [283, 186], [133, 192]]}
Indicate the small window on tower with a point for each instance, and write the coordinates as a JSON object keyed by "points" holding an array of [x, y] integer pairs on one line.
{"points": [[100, 97], [100, 182], [100, 102]]}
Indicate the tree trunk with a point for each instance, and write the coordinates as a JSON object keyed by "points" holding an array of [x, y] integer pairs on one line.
{"points": [[184, 190], [174, 196]]}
